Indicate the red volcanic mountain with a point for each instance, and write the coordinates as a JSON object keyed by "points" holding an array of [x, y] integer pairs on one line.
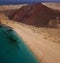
{"points": [[35, 14]]}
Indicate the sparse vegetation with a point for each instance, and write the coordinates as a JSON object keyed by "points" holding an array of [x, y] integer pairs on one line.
{"points": [[51, 34]]}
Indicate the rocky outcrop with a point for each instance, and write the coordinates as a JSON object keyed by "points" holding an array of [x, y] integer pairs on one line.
{"points": [[35, 14]]}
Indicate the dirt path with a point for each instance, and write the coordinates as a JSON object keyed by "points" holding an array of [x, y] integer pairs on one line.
{"points": [[45, 50]]}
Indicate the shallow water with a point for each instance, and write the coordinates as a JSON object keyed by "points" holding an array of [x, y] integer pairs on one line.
{"points": [[13, 49]]}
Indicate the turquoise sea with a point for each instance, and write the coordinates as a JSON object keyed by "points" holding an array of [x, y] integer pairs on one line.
{"points": [[13, 49]]}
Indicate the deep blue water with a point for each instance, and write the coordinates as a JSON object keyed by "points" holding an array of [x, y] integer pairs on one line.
{"points": [[13, 49], [4, 2]]}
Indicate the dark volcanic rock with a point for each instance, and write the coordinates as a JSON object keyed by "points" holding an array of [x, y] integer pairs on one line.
{"points": [[35, 14]]}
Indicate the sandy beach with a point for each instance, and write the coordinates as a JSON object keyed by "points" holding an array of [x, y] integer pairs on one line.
{"points": [[45, 49]]}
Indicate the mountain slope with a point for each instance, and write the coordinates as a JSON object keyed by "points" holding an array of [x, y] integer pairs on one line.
{"points": [[35, 14]]}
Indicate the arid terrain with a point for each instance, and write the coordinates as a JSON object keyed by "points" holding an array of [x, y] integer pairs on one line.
{"points": [[35, 14], [43, 42]]}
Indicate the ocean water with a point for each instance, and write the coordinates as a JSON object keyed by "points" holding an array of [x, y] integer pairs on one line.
{"points": [[13, 49], [9, 2]]}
